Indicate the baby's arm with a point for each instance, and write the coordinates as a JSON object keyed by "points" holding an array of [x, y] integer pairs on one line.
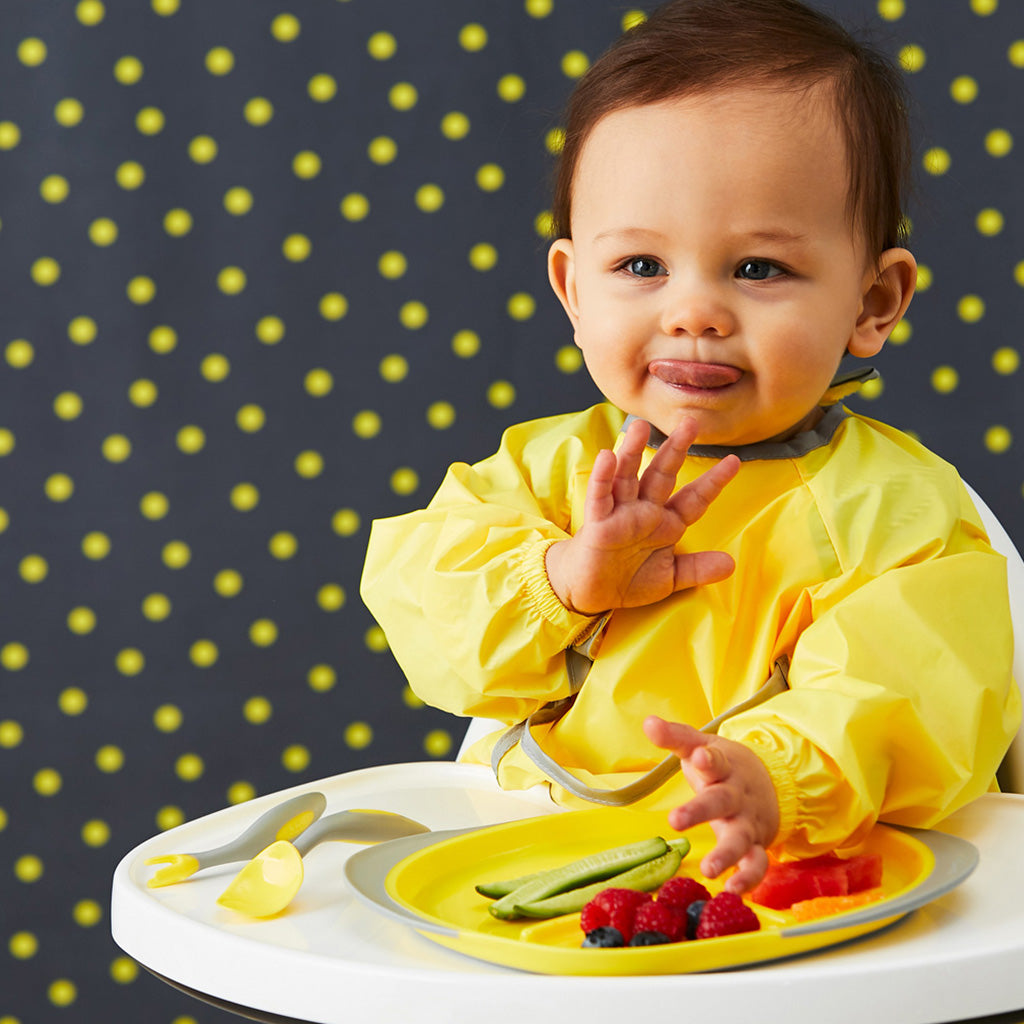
{"points": [[733, 791], [623, 555]]}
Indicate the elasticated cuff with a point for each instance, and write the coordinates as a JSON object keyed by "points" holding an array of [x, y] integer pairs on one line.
{"points": [[533, 571], [785, 789]]}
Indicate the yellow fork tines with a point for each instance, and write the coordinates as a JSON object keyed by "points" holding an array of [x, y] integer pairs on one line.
{"points": [[182, 865]]}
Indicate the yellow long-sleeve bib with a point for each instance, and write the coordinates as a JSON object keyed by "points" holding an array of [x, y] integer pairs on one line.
{"points": [[858, 554]]}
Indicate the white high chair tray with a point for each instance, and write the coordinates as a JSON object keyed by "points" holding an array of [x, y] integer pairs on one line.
{"points": [[329, 958]]}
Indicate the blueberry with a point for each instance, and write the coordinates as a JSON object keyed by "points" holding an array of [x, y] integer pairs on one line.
{"points": [[605, 937], [649, 939], [693, 912]]}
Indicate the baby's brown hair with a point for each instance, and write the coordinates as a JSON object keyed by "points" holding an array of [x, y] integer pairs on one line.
{"points": [[694, 47]]}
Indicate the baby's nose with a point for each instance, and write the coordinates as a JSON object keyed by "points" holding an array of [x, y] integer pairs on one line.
{"points": [[696, 307]]}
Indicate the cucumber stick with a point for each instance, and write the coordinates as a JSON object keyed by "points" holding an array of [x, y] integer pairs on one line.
{"points": [[645, 877], [589, 869]]}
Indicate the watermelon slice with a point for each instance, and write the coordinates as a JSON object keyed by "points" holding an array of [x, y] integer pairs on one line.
{"points": [[828, 875]]}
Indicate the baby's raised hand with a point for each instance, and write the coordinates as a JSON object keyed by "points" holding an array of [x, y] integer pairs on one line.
{"points": [[732, 790], [623, 555]]}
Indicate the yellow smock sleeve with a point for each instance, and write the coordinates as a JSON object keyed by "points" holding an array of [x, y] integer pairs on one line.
{"points": [[460, 587], [902, 701]]}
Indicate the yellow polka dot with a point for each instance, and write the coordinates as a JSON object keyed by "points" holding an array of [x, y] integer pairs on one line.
{"points": [[429, 198], [437, 743], [465, 344], [240, 792], [23, 945], [309, 464], [169, 817], [168, 718], [62, 992], [69, 112], [441, 415], [483, 256], [964, 89], [189, 767], [375, 640], [215, 367], [110, 759], [95, 833], [82, 330], [410, 699], [33, 569], [244, 497], [989, 222], [90, 12], [270, 329], [984, 7], [7, 441], [257, 710], [872, 389], [472, 37], [45, 271], [355, 206], [47, 782], [891, 10], [141, 290], [258, 111], [295, 758], [936, 160], [521, 306], [1005, 360], [924, 277], [20, 353], [1015, 53], [971, 308], [150, 121], [393, 368], [202, 149], [455, 125], [130, 175], [130, 662], [404, 480], [381, 45], [501, 394], [263, 632], [285, 27], [203, 653], [231, 280], [81, 620], [163, 339], [72, 701], [945, 379], [331, 597], [413, 315], [511, 88], [998, 142], [87, 913], [912, 58], [306, 164], [283, 545], [998, 439], [238, 201], [154, 505], [569, 359], [382, 150], [177, 223], [142, 393], [392, 265], [54, 188], [544, 224], [228, 582], [220, 61], [345, 522], [5, 520], [538, 8], [156, 607], [358, 735], [95, 545], [32, 51], [321, 678], [3, 819], [490, 177], [631, 19], [116, 448], [28, 868], [250, 418], [319, 382], [176, 554], [103, 232], [1018, 273], [128, 70], [190, 439], [10, 135], [403, 96], [575, 64], [11, 734]]}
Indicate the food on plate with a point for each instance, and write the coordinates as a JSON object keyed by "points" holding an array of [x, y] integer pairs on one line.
{"points": [[822, 906], [786, 883]]}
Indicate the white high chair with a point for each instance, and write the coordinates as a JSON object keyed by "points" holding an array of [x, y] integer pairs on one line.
{"points": [[1000, 540]]}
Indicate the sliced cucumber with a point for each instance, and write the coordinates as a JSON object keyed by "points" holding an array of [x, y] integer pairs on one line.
{"points": [[682, 844], [645, 878], [594, 868]]}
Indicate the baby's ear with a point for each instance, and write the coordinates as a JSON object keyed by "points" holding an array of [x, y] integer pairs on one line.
{"points": [[562, 275], [888, 289]]}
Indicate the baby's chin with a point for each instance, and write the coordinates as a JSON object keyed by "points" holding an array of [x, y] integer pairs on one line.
{"points": [[710, 435]]}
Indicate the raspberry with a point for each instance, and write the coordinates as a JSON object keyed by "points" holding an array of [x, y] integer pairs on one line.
{"points": [[656, 917], [681, 891], [726, 914], [593, 917], [620, 905]]}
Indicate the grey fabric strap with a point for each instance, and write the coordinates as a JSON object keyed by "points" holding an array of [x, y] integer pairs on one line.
{"points": [[577, 664]]}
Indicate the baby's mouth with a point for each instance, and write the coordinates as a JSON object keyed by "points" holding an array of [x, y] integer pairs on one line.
{"points": [[705, 376]]}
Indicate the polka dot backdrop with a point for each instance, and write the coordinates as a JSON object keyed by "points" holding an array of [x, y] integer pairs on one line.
{"points": [[267, 269]]}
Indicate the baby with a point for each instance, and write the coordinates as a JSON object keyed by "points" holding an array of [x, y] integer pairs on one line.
{"points": [[728, 216]]}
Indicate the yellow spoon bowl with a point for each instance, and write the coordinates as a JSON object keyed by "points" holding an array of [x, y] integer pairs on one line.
{"points": [[267, 884]]}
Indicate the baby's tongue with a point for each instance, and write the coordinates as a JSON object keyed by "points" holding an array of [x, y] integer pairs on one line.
{"points": [[695, 375]]}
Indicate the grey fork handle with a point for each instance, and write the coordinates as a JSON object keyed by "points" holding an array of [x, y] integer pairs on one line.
{"points": [[357, 827]]}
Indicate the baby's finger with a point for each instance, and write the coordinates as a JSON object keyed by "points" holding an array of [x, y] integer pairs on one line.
{"points": [[693, 500], [713, 803], [625, 485], [599, 501], [677, 737], [750, 869], [695, 568], [659, 479]]}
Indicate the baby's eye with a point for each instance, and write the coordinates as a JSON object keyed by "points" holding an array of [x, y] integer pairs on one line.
{"points": [[758, 270], [644, 266]]}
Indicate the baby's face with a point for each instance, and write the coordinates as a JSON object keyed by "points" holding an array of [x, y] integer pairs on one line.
{"points": [[714, 270]]}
